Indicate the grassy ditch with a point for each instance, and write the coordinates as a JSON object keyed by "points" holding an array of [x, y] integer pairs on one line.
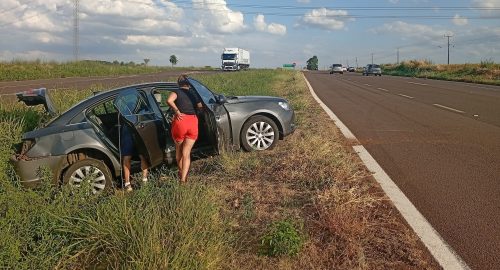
{"points": [[487, 72], [308, 204], [313, 183]]}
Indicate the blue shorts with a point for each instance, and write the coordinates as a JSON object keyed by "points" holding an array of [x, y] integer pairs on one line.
{"points": [[126, 142]]}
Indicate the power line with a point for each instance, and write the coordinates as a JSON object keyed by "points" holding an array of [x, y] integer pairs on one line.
{"points": [[190, 6]]}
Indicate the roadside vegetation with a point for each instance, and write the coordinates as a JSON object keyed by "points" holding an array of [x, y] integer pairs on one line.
{"points": [[19, 70], [486, 72], [307, 204]]}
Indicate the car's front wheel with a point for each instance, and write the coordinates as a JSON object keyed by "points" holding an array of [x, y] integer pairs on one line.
{"points": [[259, 133], [89, 172]]}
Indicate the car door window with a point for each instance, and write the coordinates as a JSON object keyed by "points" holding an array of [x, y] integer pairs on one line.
{"points": [[206, 95], [133, 106]]}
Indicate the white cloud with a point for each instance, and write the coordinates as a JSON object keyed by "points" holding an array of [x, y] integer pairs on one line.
{"points": [[326, 18], [273, 28], [459, 20], [416, 31], [490, 7], [216, 17], [157, 41]]}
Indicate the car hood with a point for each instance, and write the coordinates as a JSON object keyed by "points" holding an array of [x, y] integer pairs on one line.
{"points": [[247, 99]]}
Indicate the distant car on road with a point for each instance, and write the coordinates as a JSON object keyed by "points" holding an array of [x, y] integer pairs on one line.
{"points": [[372, 69], [351, 69], [82, 144], [344, 69], [336, 68]]}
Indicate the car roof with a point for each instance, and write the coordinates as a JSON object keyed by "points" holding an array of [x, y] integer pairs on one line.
{"points": [[67, 116]]}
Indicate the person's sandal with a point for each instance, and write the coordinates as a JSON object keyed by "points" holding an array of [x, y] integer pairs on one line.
{"points": [[128, 187]]}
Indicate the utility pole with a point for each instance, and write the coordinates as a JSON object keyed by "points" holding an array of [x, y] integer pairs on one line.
{"points": [[372, 58], [76, 30], [398, 56], [448, 36], [356, 62]]}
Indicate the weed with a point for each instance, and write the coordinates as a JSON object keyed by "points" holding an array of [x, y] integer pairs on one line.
{"points": [[282, 238], [248, 206]]}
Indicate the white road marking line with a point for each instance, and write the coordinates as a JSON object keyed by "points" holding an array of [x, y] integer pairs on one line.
{"points": [[448, 108], [418, 83], [442, 252], [367, 84], [410, 97], [383, 89], [343, 128]]}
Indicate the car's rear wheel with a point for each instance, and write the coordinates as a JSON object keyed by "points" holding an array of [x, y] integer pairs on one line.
{"points": [[259, 133], [90, 173]]}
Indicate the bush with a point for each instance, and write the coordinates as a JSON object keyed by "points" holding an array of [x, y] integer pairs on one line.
{"points": [[282, 238]]}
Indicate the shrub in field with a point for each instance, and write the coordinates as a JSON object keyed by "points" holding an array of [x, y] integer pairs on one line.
{"points": [[282, 238]]}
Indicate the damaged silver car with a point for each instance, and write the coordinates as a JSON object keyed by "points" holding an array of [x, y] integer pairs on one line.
{"points": [[82, 143]]}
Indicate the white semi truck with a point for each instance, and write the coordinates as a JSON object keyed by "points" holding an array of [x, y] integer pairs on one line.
{"points": [[235, 59]]}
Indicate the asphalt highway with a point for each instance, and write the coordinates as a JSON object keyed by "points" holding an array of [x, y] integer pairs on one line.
{"points": [[439, 142]]}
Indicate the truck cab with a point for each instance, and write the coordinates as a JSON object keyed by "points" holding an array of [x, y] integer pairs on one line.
{"points": [[235, 59]]}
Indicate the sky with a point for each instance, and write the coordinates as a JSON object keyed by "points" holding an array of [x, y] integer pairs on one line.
{"points": [[275, 32]]}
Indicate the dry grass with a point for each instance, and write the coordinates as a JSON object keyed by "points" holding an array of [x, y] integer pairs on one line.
{"points": [[314, 179]]}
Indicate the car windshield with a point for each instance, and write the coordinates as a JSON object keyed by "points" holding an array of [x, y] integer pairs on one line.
{"points": [[229, 56]]}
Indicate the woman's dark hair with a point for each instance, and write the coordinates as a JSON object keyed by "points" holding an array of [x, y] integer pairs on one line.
{"points": [[183, 80]]}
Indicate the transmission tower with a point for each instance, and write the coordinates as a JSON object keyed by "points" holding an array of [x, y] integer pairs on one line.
{"points": [[76, 30]]}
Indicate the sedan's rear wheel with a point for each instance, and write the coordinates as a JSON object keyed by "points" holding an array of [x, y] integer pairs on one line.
{"points": [[259, 133], [89, 172]]}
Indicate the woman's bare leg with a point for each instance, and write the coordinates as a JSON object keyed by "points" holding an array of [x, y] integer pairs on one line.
{"points": [[186, 158], [126, 169], [178, 155], [144, 167]]}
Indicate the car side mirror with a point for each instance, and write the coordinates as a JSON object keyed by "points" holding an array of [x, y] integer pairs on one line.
{"points": [[221, 99]]}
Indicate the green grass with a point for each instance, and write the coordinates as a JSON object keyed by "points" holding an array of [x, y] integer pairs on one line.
{"points": [[32, 70]]}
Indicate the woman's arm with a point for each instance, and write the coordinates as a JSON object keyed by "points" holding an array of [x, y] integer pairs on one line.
{"points": [[171, 102]]}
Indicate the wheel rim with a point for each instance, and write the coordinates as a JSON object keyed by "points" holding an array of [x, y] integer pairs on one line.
{"points": [[260, 135], [90, 174]]}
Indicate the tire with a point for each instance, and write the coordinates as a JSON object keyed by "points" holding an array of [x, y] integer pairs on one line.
{"points": [[259, 133], [94, 171]]}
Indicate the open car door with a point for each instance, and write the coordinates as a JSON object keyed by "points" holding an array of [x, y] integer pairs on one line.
{"points": [[216, 116], [137, 114]]}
